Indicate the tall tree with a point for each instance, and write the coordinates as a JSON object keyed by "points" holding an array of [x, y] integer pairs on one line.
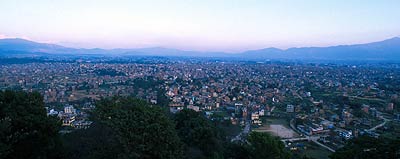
{"points": [[202, 139], [129, 128], [25, 129], [366, 147], [265, 146]]}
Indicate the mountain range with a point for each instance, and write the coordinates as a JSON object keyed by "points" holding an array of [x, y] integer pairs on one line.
{"points": [[383, 50]]}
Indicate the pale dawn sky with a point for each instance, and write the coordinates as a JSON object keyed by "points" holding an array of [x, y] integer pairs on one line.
{"points": [[203, 25]]}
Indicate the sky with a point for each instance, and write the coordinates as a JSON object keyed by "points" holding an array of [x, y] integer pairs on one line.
{"points": [[202, 25]]}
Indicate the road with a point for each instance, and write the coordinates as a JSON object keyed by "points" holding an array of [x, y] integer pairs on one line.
{"points": [[273, 108], [309, 138], [246, 130], [379, 125], [312, 138], [322, 145]]}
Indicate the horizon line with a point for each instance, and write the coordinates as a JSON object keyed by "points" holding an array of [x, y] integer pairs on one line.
{"points": [[172, 48]]}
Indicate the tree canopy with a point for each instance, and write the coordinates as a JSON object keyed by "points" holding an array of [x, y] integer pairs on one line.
{"points": [[365, 147], [25, 129], [123, 127], [265, 146], [201, 138], [131, 128]]}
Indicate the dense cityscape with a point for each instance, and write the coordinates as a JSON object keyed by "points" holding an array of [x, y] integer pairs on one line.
{"points": [[305, 104], [199, 79]]}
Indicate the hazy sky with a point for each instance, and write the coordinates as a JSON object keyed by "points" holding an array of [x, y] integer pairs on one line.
{"points": [[206, 25]]}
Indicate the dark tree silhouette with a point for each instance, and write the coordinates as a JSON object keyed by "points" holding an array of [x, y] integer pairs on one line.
{"points": [[127, 128], [25, 129], [366, 147]]}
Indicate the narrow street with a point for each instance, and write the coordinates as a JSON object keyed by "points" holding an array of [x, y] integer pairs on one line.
{"points": [[242, 134]]}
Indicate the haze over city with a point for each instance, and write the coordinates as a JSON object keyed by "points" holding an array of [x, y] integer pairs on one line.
{"points": [[207, 25]]}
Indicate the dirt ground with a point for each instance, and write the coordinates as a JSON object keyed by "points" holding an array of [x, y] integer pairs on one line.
{"points": [[278, 130]]}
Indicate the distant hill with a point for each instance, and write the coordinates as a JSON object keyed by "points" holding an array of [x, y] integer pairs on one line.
{"points": [[22, 45], [26, 47], [383, 50]]}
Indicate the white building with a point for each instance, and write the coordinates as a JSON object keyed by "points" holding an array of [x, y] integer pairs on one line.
{"points": [[290, 108], [69, 109]]}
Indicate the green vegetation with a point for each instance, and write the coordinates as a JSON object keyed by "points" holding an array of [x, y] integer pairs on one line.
{"points": [[25, 129], [124, 127], [265, 146], [393, 130], [201, 138], [130, 128], [311, 150], [258, 146], [369, 148]]}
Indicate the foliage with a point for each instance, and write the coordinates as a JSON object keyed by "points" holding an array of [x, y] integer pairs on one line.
{"points": [[199, 135], [96, 142], [367, 147], [123, 127], [25, 129], [129, 128], [265, 146], [237, 151]]}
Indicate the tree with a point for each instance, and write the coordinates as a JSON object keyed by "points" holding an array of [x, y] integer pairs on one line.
{"points": [[129, 128], [96, 142], [366, 147], [202, 139], [25, 129], [265, 146], [237, 150]]}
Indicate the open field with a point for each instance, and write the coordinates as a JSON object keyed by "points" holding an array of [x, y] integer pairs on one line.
{"points": [[277, 127]]}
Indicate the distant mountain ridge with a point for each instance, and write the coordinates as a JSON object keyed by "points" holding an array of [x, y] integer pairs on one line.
{"points": [[383, 50]]}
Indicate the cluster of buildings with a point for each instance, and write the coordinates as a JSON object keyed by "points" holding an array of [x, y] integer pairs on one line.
{"points": [[71, 117], [319, 97]]}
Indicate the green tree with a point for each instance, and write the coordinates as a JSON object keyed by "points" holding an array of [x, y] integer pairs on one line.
{"points": [[25, 129], [237, 150], [366, 147], [201, 138], [128, 128], [265, 146], [97, 142]]}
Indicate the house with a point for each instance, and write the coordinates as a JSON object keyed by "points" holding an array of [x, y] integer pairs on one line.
{"points": [[365, 108], [67, 120], [261, 112], [175, 107], [346, 134], [153, 101], [255, 118], [195, 108], [390, 107], [315, 128], [52, 112], [69, 109], [290, 108], [81, 124]]}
